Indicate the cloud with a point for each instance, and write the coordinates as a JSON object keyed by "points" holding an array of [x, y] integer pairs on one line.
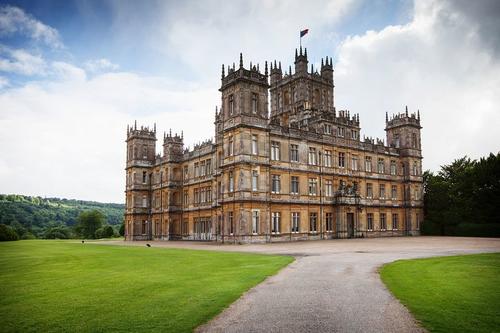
{"points": [[437, 63], [99, 65], [13, 20], [68, 72], [4, 82], [20, 61]]}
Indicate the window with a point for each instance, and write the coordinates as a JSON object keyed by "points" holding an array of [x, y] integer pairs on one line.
{"points": [[294, 153], [328, 188], [341, 160], [196, 195], [275, 225], [186, 197], [394, 221], [368, 164], [230, 222], [295, 221], [186, 173], [275, 151], [144, 177], [382, 191], [369, 190], [383, 224], [312, 186], [144, 201], [209, 194], [329, 222], [144, 224], [276, 184], [380, 165], [394, 192], [231, 105], [341, 132], [312, 156], [185, 225], [230, 149], [208, 167], [414, 140], [203, 197], [255, 222], [417, 220], [328, 158], [354, 135], [254, 144], [202, 168], [415, 169], [417, 194], [254, 103], [328, 129], [393, 168], [255, 180], [231, 182], [313, 222], [144, 152], [396, 140], [294, 185], [196, 170], [354, 163], [369, 221]]}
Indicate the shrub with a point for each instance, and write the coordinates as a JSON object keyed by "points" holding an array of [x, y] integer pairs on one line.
{"points": [[122, 229], [105, 232], [7, 233], [57, 232]]}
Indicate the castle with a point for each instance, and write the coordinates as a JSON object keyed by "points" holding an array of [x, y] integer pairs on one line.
{"points": [[298, 172]]}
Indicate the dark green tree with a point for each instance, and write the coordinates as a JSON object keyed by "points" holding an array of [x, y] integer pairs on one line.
{"points": [[88, 223], [122, 229], [105, 232], [57, 232], [7, 233]]}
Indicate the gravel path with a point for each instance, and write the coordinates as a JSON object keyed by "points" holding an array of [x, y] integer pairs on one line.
{"points": [[333, 286]]}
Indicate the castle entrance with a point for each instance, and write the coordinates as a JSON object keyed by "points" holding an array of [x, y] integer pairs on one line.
{"points": [[202, 229]]}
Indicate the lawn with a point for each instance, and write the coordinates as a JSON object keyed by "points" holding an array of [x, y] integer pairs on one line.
{"points": [[61, 286], [449, 294]]}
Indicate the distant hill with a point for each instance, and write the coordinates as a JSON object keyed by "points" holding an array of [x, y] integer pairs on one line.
{"points": [[36, 214]]}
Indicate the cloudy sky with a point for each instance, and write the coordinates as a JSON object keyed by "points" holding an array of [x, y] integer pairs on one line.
{"points": [[73, 74]]}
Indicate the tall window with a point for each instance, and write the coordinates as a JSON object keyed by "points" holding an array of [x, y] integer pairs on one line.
{"points": [[294, 185], [186, 197], [275, 151], [415, 169], [276, 184], [208, 166], [230, 222], [354, 163], [394, 192], [369, 221], [312, 156], [255, 180], [381, 191], [144, 224], [294, 153], [231, 146], [144, 177], [328, 188], [369, 190], [295, 221], [395, 221], [341, 132], [231, 105], [383, 223], [380, 166], [354, 135], [328, 158], [231, 181], [313, 222], [202, 168], [144, 201], [313, 182], [255, 222], [254, 103], [186, 173], [368, 164], [254, 144], [329, 222], [393, 168], [414, 140], [196, 170], [341, 160], [275, 225], [328, 129]]}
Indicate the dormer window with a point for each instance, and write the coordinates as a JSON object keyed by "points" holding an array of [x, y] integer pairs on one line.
{"points": [[231, 105], [254, 103]]}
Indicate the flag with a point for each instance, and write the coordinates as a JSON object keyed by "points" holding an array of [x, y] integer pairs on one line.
{"points": [[303, 32]]}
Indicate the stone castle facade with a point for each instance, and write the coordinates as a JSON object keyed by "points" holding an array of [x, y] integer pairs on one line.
{"points": [[285, 167]]}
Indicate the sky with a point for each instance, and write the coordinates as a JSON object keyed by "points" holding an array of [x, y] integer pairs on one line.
{"points": [[73, 74]]}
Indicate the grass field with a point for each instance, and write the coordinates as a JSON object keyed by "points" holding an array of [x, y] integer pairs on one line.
{"points": [[50, 286], [449, 294]]}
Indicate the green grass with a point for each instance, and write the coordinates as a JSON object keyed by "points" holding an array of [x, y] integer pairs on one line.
{"points": [[449, 294], [61, 286]]}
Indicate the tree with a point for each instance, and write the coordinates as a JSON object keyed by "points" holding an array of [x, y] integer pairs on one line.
{"points": [[122, 229], [105, 232], [88, 222], [57, 232], [7, 233]]}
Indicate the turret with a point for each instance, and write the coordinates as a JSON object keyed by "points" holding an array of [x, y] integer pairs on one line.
{"points": [[141, 144], [327, 69], [403, 131], [276, 73], [301, 61], [173, 146]]}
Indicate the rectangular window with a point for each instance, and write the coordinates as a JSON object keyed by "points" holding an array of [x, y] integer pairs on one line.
{"points": [[354, 163], [185, 226], [294, 185], [341, 132], [196, 170], [383, 223], [369, 190], [209, 194], [313, 222], [354, 134], [295, 222], [186, 173], [186, 198], [341, 160], [255, 180], [381, 191], [369, 221], [415, 169], [328, 129], [208, 167], [394, 192], [276, 221], [230, 222], [231, 182], [393, 168], [329, 222], [231, 105], [394, 221], [276, 184], [328, 188], [368, 164], [254, 144], [230, 149], [312, 156], [313, 182], [275, 151], [144, 201], [255, 222], [254, 103], [380, 166], [294, 153], [328, 158], [144, 177], [202, 168]]}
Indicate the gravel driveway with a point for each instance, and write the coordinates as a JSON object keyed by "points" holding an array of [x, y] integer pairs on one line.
{"points": [[333, 286]]}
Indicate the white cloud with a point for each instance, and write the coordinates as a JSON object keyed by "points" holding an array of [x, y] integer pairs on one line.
{"points": [[4, 82], [68, 72], [14, 20], [99, 65], [20, 61], [436, 63]]}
